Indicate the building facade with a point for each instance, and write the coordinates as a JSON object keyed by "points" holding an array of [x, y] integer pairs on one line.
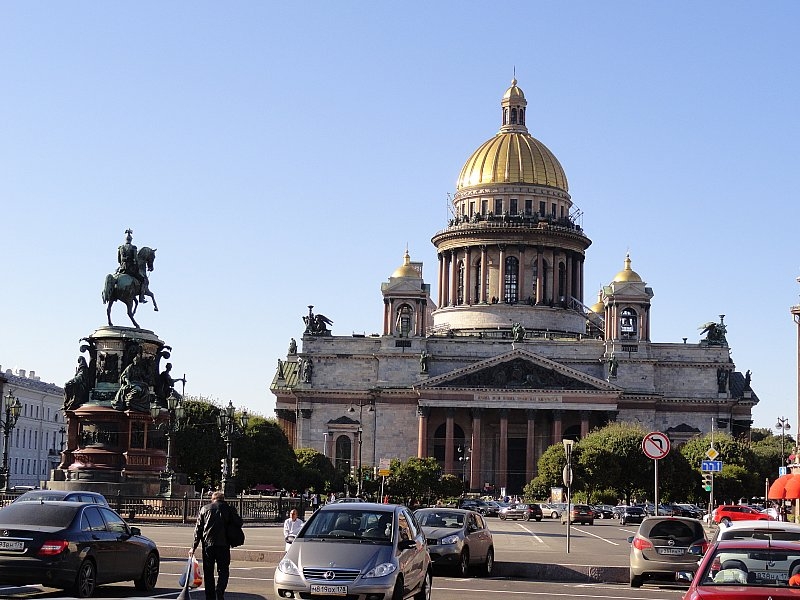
{"points": [[510, 360], [36, 441]]}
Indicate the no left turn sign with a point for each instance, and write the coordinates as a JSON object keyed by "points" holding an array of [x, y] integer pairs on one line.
{"points": [[655, 445]]}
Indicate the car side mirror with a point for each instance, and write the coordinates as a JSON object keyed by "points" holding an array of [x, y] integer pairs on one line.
{"points": [[630, 539], [290, 538], [136, 531]]}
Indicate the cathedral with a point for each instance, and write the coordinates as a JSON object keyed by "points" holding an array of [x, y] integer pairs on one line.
{"points": [[507, 359]]}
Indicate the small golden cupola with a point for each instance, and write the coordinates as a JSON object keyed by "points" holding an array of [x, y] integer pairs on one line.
{"points": [[406, 269], [627, 274], [627, 299], [407, 304]]}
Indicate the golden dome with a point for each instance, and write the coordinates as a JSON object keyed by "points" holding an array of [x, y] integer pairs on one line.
{"points": [[627, 274], [406, 270], [513, 155], [598, 308]]}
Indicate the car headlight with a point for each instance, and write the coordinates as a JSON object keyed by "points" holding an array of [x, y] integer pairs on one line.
{"points": [[381, 570], [450, 539], [288, 567]]}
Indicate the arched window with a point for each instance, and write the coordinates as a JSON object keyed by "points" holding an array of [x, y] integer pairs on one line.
{"points": [[562, 282], [404, 317], [628, 324], [460, 284], [440, 438], [522, 116], [344, 454], [510, 291], [513, 116]]}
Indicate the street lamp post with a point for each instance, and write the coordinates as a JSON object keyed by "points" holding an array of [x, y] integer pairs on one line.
{"points": [[62, 431], [13, 409], [360, 433], [783, 425], [229, 428], [175, 413], [464, 457]]}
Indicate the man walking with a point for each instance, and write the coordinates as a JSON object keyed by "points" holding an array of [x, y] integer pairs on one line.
{"points": [[210, 530]]}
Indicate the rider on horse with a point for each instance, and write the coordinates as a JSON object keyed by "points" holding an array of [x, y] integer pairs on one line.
{"points": [[126, 256]]}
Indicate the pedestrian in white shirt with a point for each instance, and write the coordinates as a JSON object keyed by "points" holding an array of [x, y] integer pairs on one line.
{"points": [[291, 526]]}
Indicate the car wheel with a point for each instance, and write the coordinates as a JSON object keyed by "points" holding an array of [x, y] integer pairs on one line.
{"points": [[85, 580], [147, 582], [591, 522], [636, 581], [555, 515], [526, 517], [424, 592], [538, 519], [488, 566], [725, 521], [462, 569], [502, 517]]}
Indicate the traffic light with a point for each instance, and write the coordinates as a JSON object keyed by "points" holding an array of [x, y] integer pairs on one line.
{"points": [[707, 479], [234, 466]]}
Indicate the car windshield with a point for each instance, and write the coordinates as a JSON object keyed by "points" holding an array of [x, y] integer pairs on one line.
{"points": [[767, 567], [349, 522], [34, 513], [440, 518]]}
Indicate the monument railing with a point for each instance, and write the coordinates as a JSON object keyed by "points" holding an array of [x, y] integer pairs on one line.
{"points": [[157, 509]]}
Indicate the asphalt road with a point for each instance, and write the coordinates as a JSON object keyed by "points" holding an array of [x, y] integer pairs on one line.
{"points": [[520, 546]]}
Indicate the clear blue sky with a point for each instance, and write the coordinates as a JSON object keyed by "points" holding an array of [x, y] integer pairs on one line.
{"points": [[281, 154]]}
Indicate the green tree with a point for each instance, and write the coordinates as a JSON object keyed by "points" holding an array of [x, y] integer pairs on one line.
{"points": [[262, 438], [450, 486], [197, 446], [416, 479], [731, 483], [317, 470]]}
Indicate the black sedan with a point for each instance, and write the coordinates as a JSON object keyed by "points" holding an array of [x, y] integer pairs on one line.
{"points": [[74, 546], [526, 512]]}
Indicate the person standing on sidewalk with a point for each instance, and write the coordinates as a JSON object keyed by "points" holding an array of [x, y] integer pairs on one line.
{"points": [[291, 526], [212, 522]]}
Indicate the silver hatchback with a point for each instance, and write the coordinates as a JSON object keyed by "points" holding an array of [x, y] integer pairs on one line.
{"points": [[360, 551], [663, 546]]}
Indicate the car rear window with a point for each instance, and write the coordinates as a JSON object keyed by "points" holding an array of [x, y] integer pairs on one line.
{"points": [[676, 530], [34, 513]]}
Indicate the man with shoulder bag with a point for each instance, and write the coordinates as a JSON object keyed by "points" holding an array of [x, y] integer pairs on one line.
{"points": [[217, 523]]}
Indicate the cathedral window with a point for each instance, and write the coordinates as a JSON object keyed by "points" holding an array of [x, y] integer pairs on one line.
{"points": [[477, 294], [562, 281], [628, 324], [513, 116], [529, 207], [553, 212], [344, 454], [484, 207], [460, 283], [513, 206], [542, 209], [498, 206], [510, 292], [522, 116], [505, 116]]}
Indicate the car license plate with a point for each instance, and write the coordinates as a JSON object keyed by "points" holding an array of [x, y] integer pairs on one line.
{"points": [[12, 545], [772, 575], [330, 590], [671, 551]]}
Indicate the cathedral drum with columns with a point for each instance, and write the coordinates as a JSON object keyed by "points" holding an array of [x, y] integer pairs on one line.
{"points": [[510, 361]]}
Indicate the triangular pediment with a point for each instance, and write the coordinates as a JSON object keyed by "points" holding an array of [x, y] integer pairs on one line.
{"points": [[342, 421], [522, 370]]}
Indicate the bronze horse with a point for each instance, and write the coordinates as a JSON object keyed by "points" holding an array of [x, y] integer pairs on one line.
{"points": [[126, 288]]}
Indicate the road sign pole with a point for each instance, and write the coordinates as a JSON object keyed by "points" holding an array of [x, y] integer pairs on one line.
{"points": [[655, 493]]}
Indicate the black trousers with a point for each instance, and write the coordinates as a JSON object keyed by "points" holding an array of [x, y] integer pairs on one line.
{"points": [[221, 557]]}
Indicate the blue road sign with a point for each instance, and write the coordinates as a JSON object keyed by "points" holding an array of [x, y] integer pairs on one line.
{"points": [[711, 465]]}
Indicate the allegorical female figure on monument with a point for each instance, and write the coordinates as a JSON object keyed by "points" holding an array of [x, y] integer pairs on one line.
{"points": [[134, 391]]}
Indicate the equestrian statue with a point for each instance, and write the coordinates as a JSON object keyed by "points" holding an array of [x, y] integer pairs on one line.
{"points": [[130, 284]]}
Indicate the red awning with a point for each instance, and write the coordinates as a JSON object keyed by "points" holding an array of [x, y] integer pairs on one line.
{"points": [[785, 487]]}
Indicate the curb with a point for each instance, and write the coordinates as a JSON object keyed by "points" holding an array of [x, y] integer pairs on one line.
{"points": [[534, 571]]}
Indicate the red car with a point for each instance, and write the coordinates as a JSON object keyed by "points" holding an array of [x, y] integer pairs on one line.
{"points": [[749, 568], [727, 513]]}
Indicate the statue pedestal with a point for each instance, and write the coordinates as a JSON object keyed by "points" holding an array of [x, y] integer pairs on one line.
{"points": [[113, 443]]}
